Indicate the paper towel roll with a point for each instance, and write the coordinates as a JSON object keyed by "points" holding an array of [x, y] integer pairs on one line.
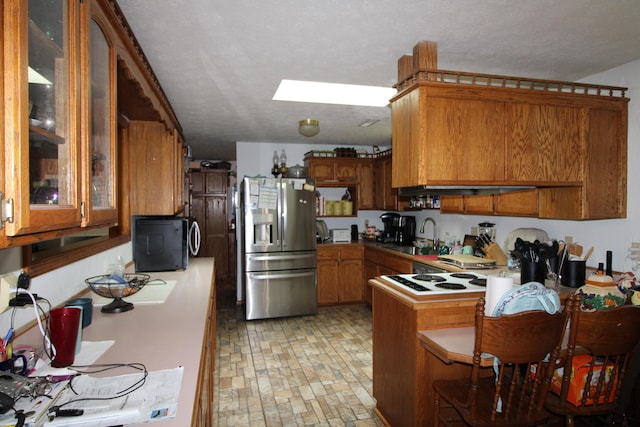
{"points": [[496, 287]]}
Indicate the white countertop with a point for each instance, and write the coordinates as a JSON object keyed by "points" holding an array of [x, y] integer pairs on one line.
{"points": [[161, 336]]}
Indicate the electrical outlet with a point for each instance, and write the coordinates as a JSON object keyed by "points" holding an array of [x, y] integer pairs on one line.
{"points": [[568, 240], [8, 281]]}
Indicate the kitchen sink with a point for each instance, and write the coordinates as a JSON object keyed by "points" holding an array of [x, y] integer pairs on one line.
{"points": [[411, 250]]}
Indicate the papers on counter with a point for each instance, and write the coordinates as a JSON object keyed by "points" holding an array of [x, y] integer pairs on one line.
{"points": [[156, 400]]}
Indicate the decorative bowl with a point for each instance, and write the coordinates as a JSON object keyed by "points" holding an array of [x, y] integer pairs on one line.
{"points": [[117, 287]]}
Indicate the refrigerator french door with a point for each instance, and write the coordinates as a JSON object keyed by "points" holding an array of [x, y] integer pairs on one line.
{"points": [[278, 247]]}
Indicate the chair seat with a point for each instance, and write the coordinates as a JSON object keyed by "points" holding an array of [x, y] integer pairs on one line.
{"points": [[555, 404], [456, 392]]}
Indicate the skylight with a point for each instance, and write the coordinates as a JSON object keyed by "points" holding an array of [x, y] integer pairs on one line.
{"points": [[333, 93]]}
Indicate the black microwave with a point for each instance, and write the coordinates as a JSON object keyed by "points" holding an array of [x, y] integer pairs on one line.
{"points": [[159, 243]]}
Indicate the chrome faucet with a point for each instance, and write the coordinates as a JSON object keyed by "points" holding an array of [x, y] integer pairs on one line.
{"points": [[435, 230]]}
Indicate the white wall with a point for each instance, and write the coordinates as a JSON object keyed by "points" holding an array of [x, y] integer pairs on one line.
{"points": [[63, 283], [615, 235]]}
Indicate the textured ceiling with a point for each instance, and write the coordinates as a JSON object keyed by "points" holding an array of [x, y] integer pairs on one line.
{"points": [[221, 61]]}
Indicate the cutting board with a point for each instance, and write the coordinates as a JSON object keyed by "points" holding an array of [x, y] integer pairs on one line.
{"points": [[153, 293], [467, 261]]}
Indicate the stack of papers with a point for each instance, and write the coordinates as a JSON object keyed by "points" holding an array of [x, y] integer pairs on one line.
{"points": [[157, 399]]}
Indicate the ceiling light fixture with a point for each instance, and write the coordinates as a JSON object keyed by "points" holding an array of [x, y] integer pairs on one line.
{"points": [[309, 127]]}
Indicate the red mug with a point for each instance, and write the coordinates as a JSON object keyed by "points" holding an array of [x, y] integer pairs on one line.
{"points": [[63, 327]]}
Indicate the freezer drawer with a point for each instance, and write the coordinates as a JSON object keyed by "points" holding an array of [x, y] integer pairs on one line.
{"points": [[279, 261], [281, 293]]}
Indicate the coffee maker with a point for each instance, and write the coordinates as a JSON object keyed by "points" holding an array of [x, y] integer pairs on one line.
{"points": [[390, 221], [406, 233]]}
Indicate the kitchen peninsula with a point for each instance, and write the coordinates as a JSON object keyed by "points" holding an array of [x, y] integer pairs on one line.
{"points": [[403, 370]]}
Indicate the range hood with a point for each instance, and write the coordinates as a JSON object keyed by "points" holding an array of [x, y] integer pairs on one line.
{"points": [[469, 190]]}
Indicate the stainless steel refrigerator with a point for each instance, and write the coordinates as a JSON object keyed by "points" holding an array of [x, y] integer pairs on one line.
{"points": [[278, 256]]}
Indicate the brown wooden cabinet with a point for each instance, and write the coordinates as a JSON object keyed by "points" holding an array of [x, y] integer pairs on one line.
{"points": [[385, 197], [369, 177], [544, 142], [604, 164], [209, 208], [155, 170], [402, 368], [569, 140], [68, 164], [41, 179], [444, 137], [517, 203], [343, 169], [366, 184], [573, 149], [340, 271]]}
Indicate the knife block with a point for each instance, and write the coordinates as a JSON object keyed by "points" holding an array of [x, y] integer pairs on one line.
{"points": [[495, 252]]}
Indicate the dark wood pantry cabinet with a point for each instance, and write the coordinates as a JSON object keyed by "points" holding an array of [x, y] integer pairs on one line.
{"points": [[209, 208]]}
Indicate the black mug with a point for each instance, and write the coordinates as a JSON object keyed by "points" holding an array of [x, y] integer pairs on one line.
{"points": [[532, 271], [573, 273]]}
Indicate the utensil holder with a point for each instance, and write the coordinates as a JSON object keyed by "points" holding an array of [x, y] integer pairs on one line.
{"points": [[496, 253]]}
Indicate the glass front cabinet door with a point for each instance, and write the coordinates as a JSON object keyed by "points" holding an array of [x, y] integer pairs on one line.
{"points": [[41, 130], [99, 118], [59, 144]]}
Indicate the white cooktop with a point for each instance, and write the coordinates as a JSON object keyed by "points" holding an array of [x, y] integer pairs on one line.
{"points": [[438, 283]]}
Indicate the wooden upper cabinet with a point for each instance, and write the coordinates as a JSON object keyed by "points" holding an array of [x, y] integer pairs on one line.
{"points": [[70, 69], [99, 131], [366, 188], [41, 182], [333, 169], [214, 181], [443, 137], [517, 203], [604, 191], [151, 138], [321, 169], [385, 197], [566, 139], [545, 144], [152, 165]]}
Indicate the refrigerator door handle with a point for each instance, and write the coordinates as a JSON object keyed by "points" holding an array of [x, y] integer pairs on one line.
{"points": [[285, 257], [283, 213], [279, 275]]}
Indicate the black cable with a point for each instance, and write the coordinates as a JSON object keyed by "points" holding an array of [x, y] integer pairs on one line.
{"points": [[105, 367]]}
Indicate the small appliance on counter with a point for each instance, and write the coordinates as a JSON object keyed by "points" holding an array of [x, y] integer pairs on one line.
{"points": [[341, 235], [406, 232], [163, 243], [391, 221], [322, 231]]}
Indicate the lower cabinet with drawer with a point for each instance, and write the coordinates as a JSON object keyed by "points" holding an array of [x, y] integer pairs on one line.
{"points": [[340, 274], [380, 262]]}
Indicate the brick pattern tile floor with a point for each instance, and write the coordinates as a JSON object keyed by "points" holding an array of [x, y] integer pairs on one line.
{"points": [[296, 371]]}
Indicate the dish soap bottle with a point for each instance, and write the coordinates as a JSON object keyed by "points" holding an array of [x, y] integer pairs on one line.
{"points": [[600, 292]]}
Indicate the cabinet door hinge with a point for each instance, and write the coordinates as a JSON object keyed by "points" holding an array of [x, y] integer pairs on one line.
{"points": [[6, 210], [82, 209]]}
